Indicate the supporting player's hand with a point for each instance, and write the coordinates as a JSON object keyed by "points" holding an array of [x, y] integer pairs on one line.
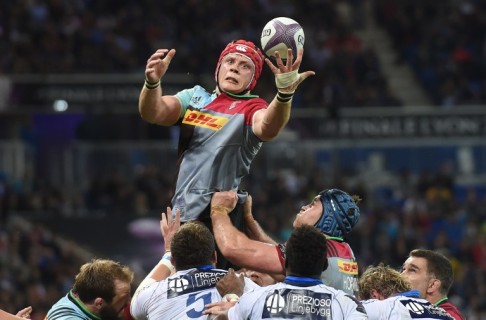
{"points": [[223, 202], [218, 308], [231, 283], [247, 214], [158, 63], [25, 313], [169, 225]]}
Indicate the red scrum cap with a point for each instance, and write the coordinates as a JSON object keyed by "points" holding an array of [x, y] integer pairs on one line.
{"points": [[248, 49]]}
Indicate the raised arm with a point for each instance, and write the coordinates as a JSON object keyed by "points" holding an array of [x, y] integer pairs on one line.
{"points": [[21, 315], [153, 106], [235, 245], [268, 122], [164, 268]]}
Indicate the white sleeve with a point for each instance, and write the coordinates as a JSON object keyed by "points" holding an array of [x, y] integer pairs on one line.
{"points": [[138, 305], [352, 308], [374, 308], [244, 308], [234, 313], [240, 311], [249, 285]]}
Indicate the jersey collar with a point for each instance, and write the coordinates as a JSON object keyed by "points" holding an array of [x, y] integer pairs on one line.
{"points": [[410, 294], [72, 297]]}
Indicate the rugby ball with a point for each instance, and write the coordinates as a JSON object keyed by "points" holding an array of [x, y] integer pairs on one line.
{"points": [[282, 33]]}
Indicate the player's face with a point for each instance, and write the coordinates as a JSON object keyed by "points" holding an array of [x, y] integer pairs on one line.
{"points": [[115, 309], [261, 279], [414, 270], [235, 73], [309, 214]]}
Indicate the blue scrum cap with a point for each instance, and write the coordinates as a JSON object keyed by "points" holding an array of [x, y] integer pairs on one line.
{"points": [[340, 213]]}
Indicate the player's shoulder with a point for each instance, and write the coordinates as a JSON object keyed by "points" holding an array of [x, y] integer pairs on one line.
{"points": [[257, 99], [200, 90], [370, 301], [196, 88], [250, 285], [65, 309], [421, 308], [196, 96], [257, 102], [341, 296], [335, 292]]}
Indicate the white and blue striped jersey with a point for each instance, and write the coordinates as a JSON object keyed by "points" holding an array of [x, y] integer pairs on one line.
{"points": [[293, 300], [407, 305], [181, 296]]}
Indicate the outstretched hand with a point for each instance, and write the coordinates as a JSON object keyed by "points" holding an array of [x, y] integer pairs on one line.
{"points": [[169, 225], [231, 283], [158, 63], [25, 313], [287, 76]]}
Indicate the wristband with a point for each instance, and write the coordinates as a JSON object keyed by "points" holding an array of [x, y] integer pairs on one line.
{"points": [[285, 80], [166, 261], [284, 97], [151, 85], [220, 209], [231, 297]]}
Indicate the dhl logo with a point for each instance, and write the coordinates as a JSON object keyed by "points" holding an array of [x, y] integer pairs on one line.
{"points": [[205, 120], [348, 267]]}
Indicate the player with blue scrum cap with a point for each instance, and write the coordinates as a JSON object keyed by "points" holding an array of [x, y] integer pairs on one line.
{"points": [[340, 215], [333, 212]]}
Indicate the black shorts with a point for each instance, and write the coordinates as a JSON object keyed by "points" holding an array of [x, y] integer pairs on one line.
{"points": [[238, 221]]}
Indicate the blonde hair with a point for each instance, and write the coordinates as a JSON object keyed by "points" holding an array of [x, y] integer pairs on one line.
{"points": [[97, 279], [384, 279]]}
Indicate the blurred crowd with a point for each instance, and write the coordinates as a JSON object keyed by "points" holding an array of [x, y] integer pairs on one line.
{"points": [[83, 36], [443, 41], [35, 270]]}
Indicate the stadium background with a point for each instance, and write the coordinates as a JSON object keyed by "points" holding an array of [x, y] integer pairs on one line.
{"points": [[396, 114]]}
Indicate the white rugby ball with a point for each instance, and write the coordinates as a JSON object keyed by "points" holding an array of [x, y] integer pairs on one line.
{"points": [[282, 33]]}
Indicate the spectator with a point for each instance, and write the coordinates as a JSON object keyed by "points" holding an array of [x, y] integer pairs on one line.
{"points": [[443, 43]]}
